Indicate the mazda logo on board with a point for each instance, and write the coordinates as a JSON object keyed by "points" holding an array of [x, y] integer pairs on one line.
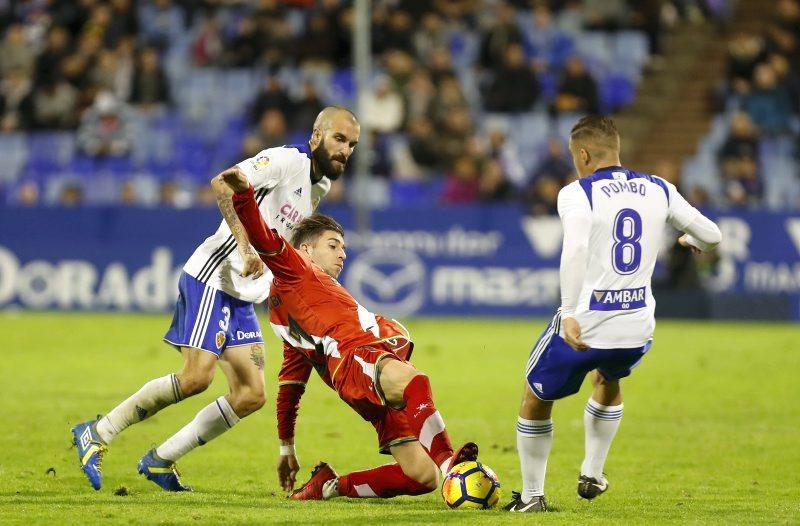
{"points": [[391, 283]]}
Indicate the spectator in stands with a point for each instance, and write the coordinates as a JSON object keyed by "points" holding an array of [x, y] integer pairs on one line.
{"points": [[205, 196], [16, 52], [768, 104], [245, 47], [440, 65], [462, 182], [418, 96], [56, 50], [514, 87], [383, 107], [541, 197], [787, 77], [160, 22], [55, 104], [272, 95], [400, 66], [16, 101], [502, 34], [207, 49], [604, 15], [128, 195], [556, 164], [506, 154], [171, 194], [27, 193], [455, 135], [271, 128], [395, 33], [739, 162], [124, 21], [447, 100], [423, 144], [432, 34], [542, 34], [150, 83], [71, 195], [104, 75], [493, 184], [577, 90], [105, 129], [745, 50], [317, 47], [305, 110]]}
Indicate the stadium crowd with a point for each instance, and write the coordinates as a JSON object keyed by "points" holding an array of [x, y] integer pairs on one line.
{"points": [[116, 101]]}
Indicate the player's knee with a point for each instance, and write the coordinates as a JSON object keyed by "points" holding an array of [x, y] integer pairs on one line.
{"points": [[194, 382], [427, 477], [247, 401]]}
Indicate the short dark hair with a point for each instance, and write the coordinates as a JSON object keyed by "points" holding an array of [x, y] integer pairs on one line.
{"points": [[597, 129], [309, 229]]}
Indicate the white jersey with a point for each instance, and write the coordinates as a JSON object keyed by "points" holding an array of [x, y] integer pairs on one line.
{"points": [[281, 178], [613, 226]]}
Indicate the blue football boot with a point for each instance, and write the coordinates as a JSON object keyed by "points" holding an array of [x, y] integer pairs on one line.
{"points": [[162, 472], [91, 449]]}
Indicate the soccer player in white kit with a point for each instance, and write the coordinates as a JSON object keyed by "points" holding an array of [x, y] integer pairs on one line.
{"points": [[613, 220], [215, 321]]}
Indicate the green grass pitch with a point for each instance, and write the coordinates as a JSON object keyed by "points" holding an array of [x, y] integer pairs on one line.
{"points": [[711, 432]]}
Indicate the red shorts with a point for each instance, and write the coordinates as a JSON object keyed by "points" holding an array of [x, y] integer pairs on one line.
{"points": [[356, 382]]}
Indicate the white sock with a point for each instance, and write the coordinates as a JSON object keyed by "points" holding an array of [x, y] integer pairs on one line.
{"points": [[601, 423], [534, 440], [213, 420], [154, 396]]}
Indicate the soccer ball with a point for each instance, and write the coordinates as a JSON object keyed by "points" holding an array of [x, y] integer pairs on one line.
{"points": [[471, 485]]}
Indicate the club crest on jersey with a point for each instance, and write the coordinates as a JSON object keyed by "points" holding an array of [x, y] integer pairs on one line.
{"points": [[260, 162], [622, 299], [220, 340]]}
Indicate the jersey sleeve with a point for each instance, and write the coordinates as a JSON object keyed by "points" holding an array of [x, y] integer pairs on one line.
{"points": [[292, 379], [267, 169], [576, 221], [703, 233], [282, 258]]}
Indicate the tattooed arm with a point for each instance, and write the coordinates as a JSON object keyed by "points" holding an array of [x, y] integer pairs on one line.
{"points": [[253, 266]]}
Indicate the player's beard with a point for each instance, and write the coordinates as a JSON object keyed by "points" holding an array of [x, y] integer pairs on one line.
{"points": [[326, 165]]}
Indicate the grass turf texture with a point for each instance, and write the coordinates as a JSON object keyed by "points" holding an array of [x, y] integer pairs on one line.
{"points": [[710, 433]]}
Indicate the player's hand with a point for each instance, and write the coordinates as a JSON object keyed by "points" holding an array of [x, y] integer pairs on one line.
{"points": [[684, 242], [252, 266], [235, 179], [572, 334], [287, 471]]}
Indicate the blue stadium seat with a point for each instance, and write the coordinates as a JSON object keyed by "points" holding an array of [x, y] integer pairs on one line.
{"points": [[616, 91], [14, 153], [631, 47], [50, 150]]}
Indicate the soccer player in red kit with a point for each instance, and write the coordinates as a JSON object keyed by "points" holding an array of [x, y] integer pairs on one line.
{"points": [[363, 357]]}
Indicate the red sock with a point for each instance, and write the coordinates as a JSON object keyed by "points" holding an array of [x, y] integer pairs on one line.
{"points": [[425, 420], [384, 482]]}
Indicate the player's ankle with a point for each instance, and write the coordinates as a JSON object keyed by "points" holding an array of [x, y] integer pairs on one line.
{"points": [[330, 489]]}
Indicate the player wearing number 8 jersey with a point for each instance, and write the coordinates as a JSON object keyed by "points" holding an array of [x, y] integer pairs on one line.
{"points": [[613, 221], [363, 357]]}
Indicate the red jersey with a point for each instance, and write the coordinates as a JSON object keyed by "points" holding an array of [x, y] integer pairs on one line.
{"points": [[311, 311]]}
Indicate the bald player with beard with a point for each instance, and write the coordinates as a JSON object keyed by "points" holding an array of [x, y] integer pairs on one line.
{"points": [[215, 321]]}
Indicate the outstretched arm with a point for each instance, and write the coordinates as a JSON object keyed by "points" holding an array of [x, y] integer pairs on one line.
{"points": [[281, 258], [292, 380], [253, 266]]}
